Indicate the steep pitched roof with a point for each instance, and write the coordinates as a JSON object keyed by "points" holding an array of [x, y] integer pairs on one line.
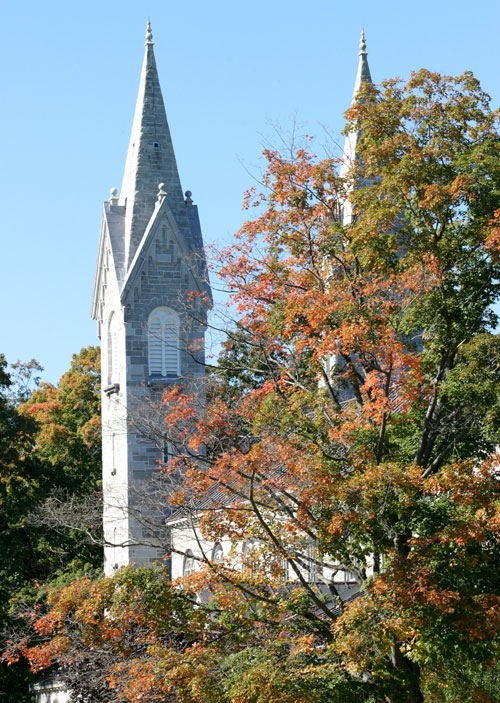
{"points": [[128, 224], [363, 75], [112, 238], [163, 214], [150, 159]]}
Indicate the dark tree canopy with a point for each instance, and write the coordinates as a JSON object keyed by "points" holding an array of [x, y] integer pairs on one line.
{"points": [[49, 445]]}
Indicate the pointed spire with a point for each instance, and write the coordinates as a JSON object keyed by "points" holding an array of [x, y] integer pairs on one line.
{"points": [[363, 75], [149, 34], [150, 158], [351, 141], [362, 41]]}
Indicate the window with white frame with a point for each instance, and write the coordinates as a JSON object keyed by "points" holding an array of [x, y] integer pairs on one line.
{"points": [[250, 549], [163, 342], [217, 553], [189, 564], [349, 576], [312, 561]]}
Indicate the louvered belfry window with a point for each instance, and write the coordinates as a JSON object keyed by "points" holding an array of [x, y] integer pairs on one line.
{"points": [[163, 342]]}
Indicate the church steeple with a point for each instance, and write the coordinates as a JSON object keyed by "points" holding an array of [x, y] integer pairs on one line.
{"points": [[351, 141], [363, 75], [151, 297], [150, 158]]}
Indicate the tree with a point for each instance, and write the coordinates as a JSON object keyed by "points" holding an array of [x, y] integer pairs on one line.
{"points": [[17, 471], [68, 419], [49, 447], [360, 444]]}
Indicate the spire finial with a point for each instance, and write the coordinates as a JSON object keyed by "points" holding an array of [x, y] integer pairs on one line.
{"points": [[363, 75], [162, 193], [149, 35], [362, 43]]}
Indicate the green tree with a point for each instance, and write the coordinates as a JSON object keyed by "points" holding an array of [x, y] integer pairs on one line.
{"points": [[68, 422], [48, 444], [18, 474]]}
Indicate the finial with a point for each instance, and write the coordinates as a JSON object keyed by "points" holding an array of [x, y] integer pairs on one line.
{"points": [[114, 196], [363, 75], [149, 35], [161, 193], [362, 43], [188, 195]]}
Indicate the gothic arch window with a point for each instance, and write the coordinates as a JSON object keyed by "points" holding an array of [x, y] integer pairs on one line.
{"points": [[112, 344], [167, 453], [249, 550], [312, 560], [189, 565], [217, 553], [163, 342]]}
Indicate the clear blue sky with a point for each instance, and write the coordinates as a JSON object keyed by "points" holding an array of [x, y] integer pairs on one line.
{"points": [[229, 72]]}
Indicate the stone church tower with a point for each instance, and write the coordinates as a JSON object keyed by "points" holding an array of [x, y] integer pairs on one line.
{"points": [[151, 326], [363, 76]]}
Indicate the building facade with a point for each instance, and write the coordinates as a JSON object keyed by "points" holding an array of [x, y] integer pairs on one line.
{"points": [[150, 301]]}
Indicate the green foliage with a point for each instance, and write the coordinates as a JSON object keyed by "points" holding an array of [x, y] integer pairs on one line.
{"points": [[50, 441], [242, 364], [260, 674], [68, 421], [23, 379]]}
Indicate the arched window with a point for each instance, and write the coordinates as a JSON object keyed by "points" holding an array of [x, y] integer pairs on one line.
{"points": [[189, 566], [249, 546], [250, 551], [167, 452], [312, 560], [112, 342], [163, 342], [217, 554]]}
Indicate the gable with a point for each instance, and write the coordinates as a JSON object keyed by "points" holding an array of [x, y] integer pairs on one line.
{"points": [[110, 257], [164, 244]]}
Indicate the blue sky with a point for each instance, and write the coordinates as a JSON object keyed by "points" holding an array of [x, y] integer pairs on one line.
{"points": [[233, 75]]}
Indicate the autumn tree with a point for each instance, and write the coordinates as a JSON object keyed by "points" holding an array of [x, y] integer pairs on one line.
{"points": [[358, 445], [17, 472], [68, 421], [49, 451]]}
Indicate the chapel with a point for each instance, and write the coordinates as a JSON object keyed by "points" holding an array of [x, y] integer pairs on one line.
{"points": [[151, 299]]}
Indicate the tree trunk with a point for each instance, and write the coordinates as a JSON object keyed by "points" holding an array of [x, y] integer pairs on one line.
{"points": [[412, 673]]}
